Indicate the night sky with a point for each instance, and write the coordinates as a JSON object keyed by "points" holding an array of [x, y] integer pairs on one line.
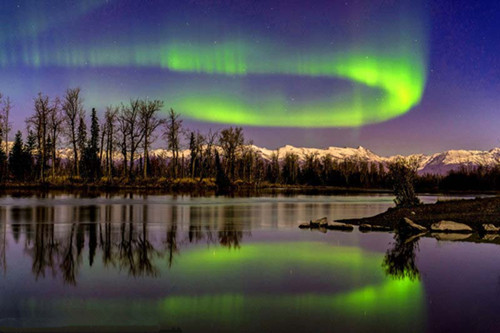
{"points": [[392, 76]]}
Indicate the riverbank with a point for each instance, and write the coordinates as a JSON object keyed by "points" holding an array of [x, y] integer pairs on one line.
{"points": [[196, 187], [472, 212], [180, 185]]}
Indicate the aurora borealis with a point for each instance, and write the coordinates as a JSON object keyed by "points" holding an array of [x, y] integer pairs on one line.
{"points": [[397, 80], [216, 288], [352, 69]]}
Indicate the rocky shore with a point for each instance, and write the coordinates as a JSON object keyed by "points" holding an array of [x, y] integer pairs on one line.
{"points": [[476, 220], [480, 215]]}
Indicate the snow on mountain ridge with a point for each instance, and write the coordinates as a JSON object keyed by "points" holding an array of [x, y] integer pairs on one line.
{"points": [[438, 163], [335, 152], [443, 163]]}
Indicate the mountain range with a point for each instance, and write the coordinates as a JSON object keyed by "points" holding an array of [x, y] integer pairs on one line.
{"points": [[436, 164]]}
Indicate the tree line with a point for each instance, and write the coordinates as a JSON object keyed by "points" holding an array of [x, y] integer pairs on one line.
{"points": [[112, 149], [116, 149], [64, 145]]}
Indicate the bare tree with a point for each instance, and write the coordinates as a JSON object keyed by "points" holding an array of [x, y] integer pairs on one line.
{"points": [[81, 135], [149, 122], [73, 111], [402, 173], [173, 127], [274, 169], [109, 130], [131, 114], [231, 142], [290, 168], [5, 125], [102, 127], [55, 126], [208, 169], [196, 141], [122, 139], [248, 161], [5, 107], [40, 122]]}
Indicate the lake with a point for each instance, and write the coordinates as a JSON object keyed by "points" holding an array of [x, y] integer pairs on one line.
{"points": [[217, 264]]}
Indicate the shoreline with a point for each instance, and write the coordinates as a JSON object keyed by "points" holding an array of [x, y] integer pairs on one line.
{"points": [[193, 186], [472, 212]]}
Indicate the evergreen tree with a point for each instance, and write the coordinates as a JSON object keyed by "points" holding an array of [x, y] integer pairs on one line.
{"points": [[90, 163], [29, 151], [94, 132], [82, 134], [192, 149], [17, 159], [222, 181]]}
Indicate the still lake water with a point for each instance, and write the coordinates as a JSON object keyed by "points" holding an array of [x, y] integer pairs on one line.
{"points": [[217, 264]]}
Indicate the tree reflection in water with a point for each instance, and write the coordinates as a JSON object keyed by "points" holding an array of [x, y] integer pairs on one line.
{"points": [[57, 239], [3, 241], [400, 261], [68, 265], [171, 238], [230, 235]]}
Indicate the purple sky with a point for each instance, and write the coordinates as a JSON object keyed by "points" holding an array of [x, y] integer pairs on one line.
{"points": [[458, 109]]}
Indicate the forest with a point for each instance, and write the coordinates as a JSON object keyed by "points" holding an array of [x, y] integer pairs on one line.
{"points": [[138, 144]]}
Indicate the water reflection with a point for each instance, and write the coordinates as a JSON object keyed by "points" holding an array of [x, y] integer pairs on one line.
{"points": [[55, 237], [129, 237], [400, 260], [220, 265], [221, 290], [208, 264]]}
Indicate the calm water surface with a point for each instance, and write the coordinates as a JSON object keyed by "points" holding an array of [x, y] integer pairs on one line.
{"points": [[216, 264]]}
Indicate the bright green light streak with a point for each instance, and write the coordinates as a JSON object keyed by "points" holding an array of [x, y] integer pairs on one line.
{"points": [[399, 299], [400, 79], [380, 294], [271, 256], [378, 299], [396, 304], [396, 77]]}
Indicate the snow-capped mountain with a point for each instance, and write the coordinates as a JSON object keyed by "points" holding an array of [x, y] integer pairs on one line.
{"points": [[443, 163], [438, 163], [359, 154]]}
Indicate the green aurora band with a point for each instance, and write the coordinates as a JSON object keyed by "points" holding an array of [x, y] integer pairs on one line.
{"points": [[400, 80], [398, 303], [366, 297], [386, 80]]}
